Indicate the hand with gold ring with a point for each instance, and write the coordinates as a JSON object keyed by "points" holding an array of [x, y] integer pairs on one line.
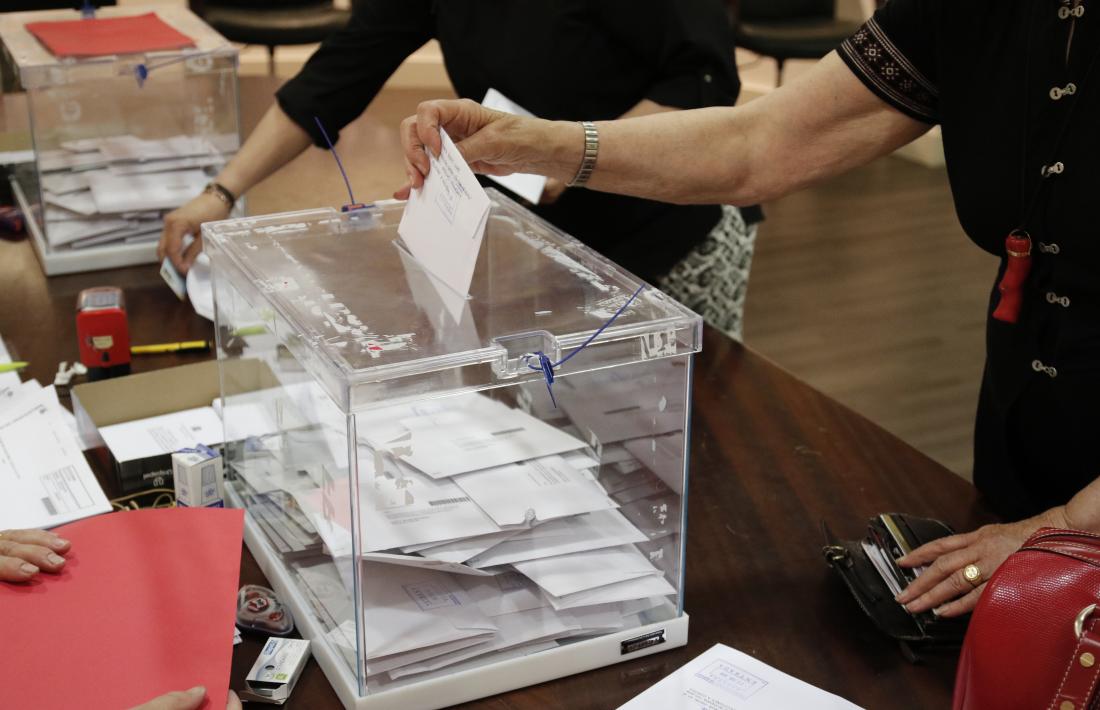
{"points": [[25, 553], [958, 566]]}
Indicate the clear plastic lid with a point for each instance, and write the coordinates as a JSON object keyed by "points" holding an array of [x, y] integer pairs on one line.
{"points": [[364, 312]]}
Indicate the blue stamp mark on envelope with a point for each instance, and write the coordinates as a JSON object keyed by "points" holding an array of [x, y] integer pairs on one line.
{"points": [[732, 679], [430, 596]]}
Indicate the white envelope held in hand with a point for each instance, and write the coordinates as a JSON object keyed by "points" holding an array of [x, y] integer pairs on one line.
{"points": [[444, 221]]}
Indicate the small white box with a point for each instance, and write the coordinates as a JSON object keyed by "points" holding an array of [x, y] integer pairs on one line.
{"points": [[276, 671], [198, 478]]}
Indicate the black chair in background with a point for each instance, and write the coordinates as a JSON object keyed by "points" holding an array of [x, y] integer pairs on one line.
{"points": [[272, 23], [790, 29]]}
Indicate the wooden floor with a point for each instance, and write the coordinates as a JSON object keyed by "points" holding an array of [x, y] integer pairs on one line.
{"points": [[867, 288]]}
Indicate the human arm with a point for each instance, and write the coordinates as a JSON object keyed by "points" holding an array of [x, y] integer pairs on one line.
{"points": [[943, 587], [25, 553], [275, 141], [819, 125]]}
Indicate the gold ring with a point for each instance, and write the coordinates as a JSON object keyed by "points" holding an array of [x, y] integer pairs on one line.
{"points": [[972, 574]]}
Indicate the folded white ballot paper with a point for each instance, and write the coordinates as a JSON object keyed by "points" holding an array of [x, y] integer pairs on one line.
{"points": [[723, 678], [43, 473], [527, 186], [444, 221], [581, 571], [539, 489]]}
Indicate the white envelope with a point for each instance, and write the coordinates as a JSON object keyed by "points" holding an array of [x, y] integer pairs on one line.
{"points": [[619, 411], [422, 563], [664, 455], [163, 434], [407, 608], [639, 588], [607, 528], [582, 571], [483, 434], [74, 203], [540, 489], [505, 593], [69, 231], [159, 191], [462, 549], [527, 186], [517, 629], [444, 221]]}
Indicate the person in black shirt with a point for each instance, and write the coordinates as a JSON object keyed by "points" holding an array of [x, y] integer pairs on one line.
{"points": [[559, 60], [1016, 89]]}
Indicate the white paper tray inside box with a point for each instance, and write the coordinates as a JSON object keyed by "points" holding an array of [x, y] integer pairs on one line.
{"points": [[448, 527]]}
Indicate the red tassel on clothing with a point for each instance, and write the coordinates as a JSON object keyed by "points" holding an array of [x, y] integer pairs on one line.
{"points": [[1018, 248]]}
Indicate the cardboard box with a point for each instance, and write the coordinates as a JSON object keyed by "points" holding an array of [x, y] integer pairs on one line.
{"points": [[276, 671], [151, 394]]}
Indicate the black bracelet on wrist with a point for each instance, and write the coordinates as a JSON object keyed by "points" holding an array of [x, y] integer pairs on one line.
{"points": [[221, 192]]}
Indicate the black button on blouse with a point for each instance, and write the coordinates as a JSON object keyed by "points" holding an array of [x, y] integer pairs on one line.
{"points": [[566, 60], [1002, 78]]}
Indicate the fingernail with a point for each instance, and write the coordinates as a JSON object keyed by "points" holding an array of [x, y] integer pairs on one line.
{"points": [[55, 559], [198, 691], [936, 612], [28, 568], [900, 599], [59, 542]]}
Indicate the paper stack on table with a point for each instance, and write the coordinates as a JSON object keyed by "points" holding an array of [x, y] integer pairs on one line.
{"points": [[116, 190], [45, 480], [484, 532]]}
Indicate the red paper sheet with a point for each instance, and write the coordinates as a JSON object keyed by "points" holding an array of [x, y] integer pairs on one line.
{"points": [[109, 35], [146, 605]]}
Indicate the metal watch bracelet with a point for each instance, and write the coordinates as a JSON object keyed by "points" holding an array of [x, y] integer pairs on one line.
{"points": [[221, 192], [591, 150]]}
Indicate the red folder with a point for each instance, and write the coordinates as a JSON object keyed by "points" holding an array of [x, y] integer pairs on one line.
{"points": [[145, 605], [109, 35]]}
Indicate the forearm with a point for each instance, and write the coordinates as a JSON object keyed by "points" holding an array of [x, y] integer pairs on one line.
{"points": [[274, 142]]}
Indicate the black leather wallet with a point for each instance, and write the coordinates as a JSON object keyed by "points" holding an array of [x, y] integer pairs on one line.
{"points": [[870, 572]]}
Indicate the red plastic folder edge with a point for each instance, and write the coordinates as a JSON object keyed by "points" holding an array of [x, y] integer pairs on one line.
{"points": [[145, 605], [110, 35]]}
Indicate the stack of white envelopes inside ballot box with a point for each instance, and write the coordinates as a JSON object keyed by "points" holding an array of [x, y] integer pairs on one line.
{"points": [[114, 141], [446, 523]]}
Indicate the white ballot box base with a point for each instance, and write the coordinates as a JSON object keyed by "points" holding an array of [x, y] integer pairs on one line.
{"points": [[462, 686]]}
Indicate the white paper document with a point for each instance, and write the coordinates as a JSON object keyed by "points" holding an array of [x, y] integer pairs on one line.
{"points": [[43, 474], [539, 489], [164, 434], [527, 186], [723, 678], [645, 587], [581, 571], [444, 221]]}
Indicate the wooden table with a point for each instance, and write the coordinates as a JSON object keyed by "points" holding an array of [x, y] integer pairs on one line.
{"points": [[770, 459]]}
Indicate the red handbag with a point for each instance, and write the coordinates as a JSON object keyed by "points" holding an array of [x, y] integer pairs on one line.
{"points": [[1034, 637]]}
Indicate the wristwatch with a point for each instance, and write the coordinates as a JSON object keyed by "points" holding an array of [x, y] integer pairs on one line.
{"points": [[591, 150], [221, 192]]}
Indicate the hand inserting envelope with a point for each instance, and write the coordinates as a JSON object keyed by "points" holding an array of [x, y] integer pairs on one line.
{"points": [[444, 221]]}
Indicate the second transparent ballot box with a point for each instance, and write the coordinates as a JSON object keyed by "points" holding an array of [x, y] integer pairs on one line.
{"points": [[444, 522], [114, 141]]}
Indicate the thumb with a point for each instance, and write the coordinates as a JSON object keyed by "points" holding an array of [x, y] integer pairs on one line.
{"points": [[177, 700]]}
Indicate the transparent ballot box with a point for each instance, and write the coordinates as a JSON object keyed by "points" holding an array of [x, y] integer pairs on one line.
{"points": [[444, 524], [103, 146]]}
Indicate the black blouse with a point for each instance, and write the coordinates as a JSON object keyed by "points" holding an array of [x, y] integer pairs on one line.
{"points": [[567, 60], [1016, 87]]}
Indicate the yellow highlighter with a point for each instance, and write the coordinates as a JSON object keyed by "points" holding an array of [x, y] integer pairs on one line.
{"points": [[185, 346], [12, 366]]}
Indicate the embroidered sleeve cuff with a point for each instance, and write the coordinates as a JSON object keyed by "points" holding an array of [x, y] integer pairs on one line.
{"points": [[887, 72]]}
